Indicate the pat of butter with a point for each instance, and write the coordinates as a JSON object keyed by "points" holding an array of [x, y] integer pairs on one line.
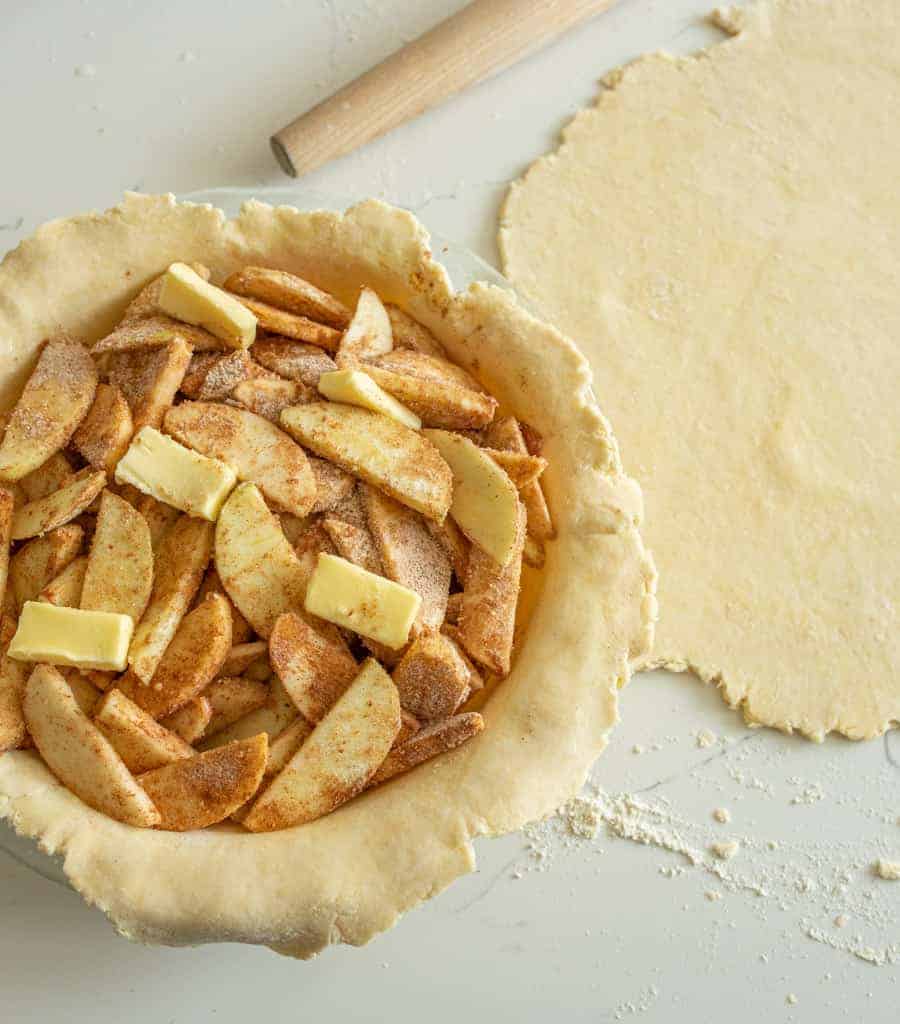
{"points": [[370, 605], [186, 296], [71, 636], [357, 388], [176, 475]]}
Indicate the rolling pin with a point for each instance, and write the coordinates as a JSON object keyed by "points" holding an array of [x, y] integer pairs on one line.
{"points": [[481, 39]]}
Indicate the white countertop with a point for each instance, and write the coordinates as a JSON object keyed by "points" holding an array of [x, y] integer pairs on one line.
{"points": [[102, 97]]}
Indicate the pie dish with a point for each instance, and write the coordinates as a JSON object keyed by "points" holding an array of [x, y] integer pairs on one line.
{"points": [[349, 875]]}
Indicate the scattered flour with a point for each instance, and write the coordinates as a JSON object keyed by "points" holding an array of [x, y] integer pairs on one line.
{"points": [[725, 849], [722, 815], [705, 738], [825, 885]]}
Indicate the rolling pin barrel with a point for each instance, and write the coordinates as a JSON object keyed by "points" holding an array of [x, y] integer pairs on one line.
{"points": [[483, 38]]}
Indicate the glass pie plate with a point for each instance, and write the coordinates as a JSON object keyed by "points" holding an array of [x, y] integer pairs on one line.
{"points": [[463, 266]]}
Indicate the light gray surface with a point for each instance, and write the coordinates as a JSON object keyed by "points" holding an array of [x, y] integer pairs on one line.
{"points": [[183, 98]]}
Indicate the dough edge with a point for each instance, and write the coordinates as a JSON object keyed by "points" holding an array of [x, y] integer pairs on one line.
{"points": [[349, 876]]}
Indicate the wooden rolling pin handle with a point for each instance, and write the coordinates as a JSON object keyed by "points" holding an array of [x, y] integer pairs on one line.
{"points": [[484, 37]]}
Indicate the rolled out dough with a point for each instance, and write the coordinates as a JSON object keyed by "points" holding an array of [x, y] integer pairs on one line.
{"points": [[721, 235]]}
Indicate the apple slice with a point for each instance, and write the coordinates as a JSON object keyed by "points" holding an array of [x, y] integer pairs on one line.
{"points": [[231, 698], [435, 403], [181, 560], [119, 575], [7, 511], [141, 742], [485, 502], [258, 568], [410, 555], [190, 662], [55, 400], [355, 543], [267, 396], [186, 296], [294, 360], [290, 325], [521, 469], [214, 375], [315, 666], [254, 448], [333, 485], [13, 675], [368, 334], [339, 757], [104, 434], [241, 630], [241, 656], [38, 517], [199, 791], [51, 476], [509, 435], [64, 590], [275, 715], [434, 739], [410, 334], [490, 595], [454, 542], [190, 721], [149, 379], [287, 291], [78, 754], [423, 366], [432, 679], [281, 749], [155, 332], [159, 516], [41, 560], [384, 453]]}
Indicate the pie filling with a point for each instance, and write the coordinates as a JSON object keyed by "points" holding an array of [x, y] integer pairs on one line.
{"points": [[259, 552]]}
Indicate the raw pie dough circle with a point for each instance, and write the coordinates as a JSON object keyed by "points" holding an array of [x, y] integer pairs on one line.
{"points": [[720, 236], [351, 874]]}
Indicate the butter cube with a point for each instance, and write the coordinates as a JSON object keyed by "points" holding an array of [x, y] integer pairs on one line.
{"points": [[71, 636], [186, 296], [362, 601], [357, 388], [176, 475]]}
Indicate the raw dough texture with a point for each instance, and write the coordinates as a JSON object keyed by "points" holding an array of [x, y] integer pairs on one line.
{"points": [[721, 236], [351, 874]]}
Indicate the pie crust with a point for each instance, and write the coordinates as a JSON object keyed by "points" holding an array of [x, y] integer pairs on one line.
{"points": [[350, 875]]}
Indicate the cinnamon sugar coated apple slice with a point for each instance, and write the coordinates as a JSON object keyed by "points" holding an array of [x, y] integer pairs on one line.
{"points": [[432, 678], [104, 434], [384, 453], [487, 616], [13, 675], [290, 325], [180, 562], [290, 292], [435, 739], [55, 400], [254, 448], [56, 509], [485, 503], [369, 332], [119, 572], [293, 360], [337, 760], [78, 754], [189, 663], [141, 742], [65, 588], [314, 665], [39, 561], [199, 791], [259, 569], [149, 379]]}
